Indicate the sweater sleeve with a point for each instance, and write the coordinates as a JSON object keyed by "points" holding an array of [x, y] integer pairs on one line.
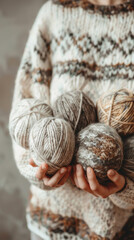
{"points": [[35, 70], [22, 156], [125, 198], [33, 81]]}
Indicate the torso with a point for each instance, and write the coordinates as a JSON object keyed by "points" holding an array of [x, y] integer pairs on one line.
{"points": [[92, 49]]}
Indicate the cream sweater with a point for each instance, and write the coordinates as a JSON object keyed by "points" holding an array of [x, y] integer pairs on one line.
{"points": [[77, 45]]}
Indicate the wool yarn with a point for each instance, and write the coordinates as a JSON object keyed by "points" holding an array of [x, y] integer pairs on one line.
{"points": [[117, 110], [100, 147], [52, 141], [127, 168], [24, 116], [76, 108]]}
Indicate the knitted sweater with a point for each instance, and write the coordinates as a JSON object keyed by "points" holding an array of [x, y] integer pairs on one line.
{"points": [[77, 45]]}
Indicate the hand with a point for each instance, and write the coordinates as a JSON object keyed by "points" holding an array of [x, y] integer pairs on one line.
{"points": [[58, 179], [92, 185]]}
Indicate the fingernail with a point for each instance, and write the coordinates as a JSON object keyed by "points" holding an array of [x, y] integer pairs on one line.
{"points": [[111, 173], [78, 167], [43, 166], [89, 169], [63, 170]]}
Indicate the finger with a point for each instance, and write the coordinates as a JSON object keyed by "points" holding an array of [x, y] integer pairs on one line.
{"points": [[31, 162], [93, 182], [54, 180], [82, 182], [117, 179], [42, 171], [96, 188], [65, 177]]}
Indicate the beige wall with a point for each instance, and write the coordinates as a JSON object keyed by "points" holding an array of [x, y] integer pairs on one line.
{"points": [[16, 19]]}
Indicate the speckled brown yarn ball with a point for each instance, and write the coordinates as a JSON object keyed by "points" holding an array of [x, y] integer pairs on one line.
{"points": [[24, 116], [52, 141], [75, 107], [127, 168], [117, 110], [100, 147]]}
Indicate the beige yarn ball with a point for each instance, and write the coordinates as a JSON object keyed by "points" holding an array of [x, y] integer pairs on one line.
{"points": [[52, 141], [117, 110], [24, 116], [100, 147], [75, 107], [127, 168]]}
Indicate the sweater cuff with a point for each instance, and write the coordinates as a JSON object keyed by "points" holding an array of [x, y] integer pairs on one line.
{"points": [[125, 197], [123, 186], [22, 156]]}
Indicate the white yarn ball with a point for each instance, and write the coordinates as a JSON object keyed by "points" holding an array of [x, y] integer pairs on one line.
{"points": [[52, 141], [24, 116]]}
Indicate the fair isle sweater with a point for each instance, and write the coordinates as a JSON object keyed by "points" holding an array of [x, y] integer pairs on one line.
{"points": [[76, 45]]}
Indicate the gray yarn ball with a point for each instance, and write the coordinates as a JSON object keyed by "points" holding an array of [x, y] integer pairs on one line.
{"points": [[127, 168], [75, 107], [100, 147], [52, 141], [24, 116]]}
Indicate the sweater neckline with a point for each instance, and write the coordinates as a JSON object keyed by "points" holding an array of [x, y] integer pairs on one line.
{"points": [[124, 7]]}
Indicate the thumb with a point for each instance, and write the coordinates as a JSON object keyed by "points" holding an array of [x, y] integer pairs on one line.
{"points": [[116, 178]]}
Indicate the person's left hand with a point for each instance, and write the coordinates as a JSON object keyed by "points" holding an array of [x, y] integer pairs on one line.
{"points": [[92, 185]]}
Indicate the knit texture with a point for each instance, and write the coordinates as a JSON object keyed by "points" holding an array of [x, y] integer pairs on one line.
{"points": [[77, 45]]}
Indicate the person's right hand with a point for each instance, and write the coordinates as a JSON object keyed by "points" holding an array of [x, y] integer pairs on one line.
{"points": [[57, 180]]}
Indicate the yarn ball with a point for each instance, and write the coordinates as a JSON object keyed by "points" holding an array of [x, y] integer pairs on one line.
{"points": [[117, 110], [52, 141], [24, 116], [76, 108], [99, 146], [127, 168]]}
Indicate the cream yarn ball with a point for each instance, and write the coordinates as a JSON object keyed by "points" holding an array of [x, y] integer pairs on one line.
{"points": [[52, 141], [24, 116], [76, 108], [100, 147]]}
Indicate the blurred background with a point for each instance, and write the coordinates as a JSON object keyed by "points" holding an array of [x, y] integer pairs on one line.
{"points": [[16, 19]]}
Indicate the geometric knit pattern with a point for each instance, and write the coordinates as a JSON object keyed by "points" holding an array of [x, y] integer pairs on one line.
{"points": [[69, 201], [59, 227], [77, 45]]}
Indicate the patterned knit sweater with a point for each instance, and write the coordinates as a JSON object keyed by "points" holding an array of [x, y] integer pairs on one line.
{"points": [[76, 45]]}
